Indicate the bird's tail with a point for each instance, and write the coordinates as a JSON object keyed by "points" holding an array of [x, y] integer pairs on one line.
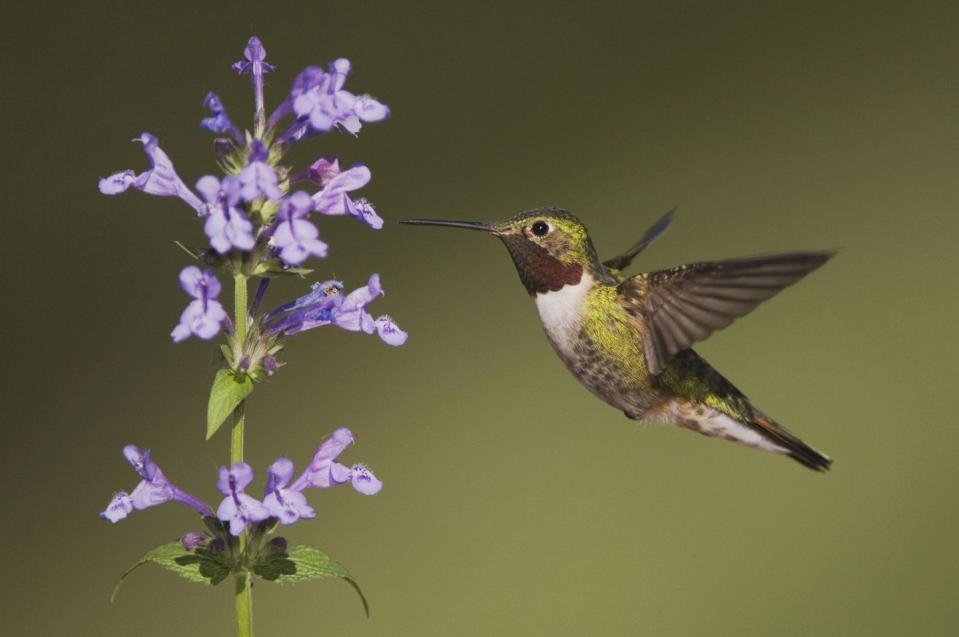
{"points": [[794, 447], [745, 425]]}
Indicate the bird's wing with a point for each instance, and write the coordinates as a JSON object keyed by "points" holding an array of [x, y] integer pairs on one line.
{"points": [[683, 305], [655, 231]]}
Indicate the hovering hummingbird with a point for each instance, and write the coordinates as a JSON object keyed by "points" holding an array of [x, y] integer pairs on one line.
{"points": [[627, 339]]}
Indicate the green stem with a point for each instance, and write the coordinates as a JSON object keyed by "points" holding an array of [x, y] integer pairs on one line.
{"points": [[244, 606], [244, 592]]}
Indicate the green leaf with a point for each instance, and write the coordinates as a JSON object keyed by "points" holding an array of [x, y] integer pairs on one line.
{"points": [[229, 390], [300, 563], [200, 566]]}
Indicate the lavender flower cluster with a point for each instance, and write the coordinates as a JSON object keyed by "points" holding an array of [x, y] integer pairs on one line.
{"points": [[256, 224], [282, 499]]}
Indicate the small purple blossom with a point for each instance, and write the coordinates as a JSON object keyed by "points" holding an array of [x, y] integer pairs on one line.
{"points": [[219, 121], [325, 305], [325, 472], [238, 508], [204, 316], [333, 200], [326, 104], [161, 179], [285, 504], [153, 489], [295, 237], [257, 179], [226, 225], [321, 172], [255, 65]]}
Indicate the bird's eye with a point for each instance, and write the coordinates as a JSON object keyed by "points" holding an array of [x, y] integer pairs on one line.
{"points": [[540, 228]]}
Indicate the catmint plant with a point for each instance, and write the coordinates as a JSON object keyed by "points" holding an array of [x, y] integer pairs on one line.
{"points": [[260, 221]]}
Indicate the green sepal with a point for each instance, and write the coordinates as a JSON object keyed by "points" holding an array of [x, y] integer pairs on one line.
{"points": [[227, 353], [276, 268], [301, 563], [229, 389], [201, 566]]}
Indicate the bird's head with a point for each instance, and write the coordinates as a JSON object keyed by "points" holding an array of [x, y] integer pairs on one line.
{"points": [[550, 248]]}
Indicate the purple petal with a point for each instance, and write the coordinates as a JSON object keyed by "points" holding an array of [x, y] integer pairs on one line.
{"points": [[369, 109], [279, 474], [323, 170], [363, 210], [339, 70], [209, 187], [162, 179], [117, 182], [364, 481], [202, 319], [148, 494], [297, 239], [200, 284], [318, 473], [120, 507], [361, 296], [288, 506], [299, 204], [340, 473], [389, 332]]}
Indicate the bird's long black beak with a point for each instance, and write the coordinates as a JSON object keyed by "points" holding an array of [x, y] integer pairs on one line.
{"points": [[469, 225]]}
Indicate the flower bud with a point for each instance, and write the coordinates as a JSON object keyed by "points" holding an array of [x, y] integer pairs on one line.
{"points": [[193, 540]]}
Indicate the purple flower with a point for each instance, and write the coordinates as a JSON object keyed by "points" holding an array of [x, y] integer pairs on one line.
{"points": [[255, 66], [152, 490], [238, 508], [325, 472], [321, 172], [307, 78], [295, 236], [160, 180], [326, 104], [285, 504], [219, 121], [257, 179], [333, 200], [325, 305], [226, 225], [204, 315]]}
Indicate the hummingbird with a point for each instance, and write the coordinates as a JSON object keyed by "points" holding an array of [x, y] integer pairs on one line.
{"points": [[628, 339]]}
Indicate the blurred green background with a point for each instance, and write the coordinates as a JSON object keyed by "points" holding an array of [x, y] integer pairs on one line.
{"points": [[515, 502]]}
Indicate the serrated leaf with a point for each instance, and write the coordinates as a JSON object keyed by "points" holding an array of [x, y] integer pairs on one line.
{"points": [[201, 566], [229, 390], [302, 562]]}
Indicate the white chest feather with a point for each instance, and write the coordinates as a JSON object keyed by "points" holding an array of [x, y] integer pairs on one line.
{"points": [[561, 311]]}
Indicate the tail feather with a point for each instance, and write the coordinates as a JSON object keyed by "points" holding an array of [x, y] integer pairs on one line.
{"points": [[705, 401], [795, 448]]}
